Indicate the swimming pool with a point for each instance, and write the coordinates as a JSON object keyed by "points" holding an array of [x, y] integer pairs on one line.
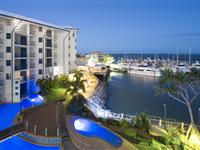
{"points": [[90, 128], [7, 115]]}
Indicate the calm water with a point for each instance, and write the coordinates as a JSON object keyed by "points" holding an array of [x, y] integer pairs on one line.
{"points": [[129, 93]]}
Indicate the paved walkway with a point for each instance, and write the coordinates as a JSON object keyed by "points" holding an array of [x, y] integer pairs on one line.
{"points": [[44, 116]]}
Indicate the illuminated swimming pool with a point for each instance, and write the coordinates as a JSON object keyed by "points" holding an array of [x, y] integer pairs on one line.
{"points": [[8, 113], [90, 128]]}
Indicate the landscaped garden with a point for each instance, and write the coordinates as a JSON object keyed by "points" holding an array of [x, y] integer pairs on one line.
{"points": [[139, 131]]}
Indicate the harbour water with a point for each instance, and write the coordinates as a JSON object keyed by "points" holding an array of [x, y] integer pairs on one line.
{"points": [[129, 93]]}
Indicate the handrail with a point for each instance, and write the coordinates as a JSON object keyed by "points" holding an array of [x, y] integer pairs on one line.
{"points": [[13, 130]]}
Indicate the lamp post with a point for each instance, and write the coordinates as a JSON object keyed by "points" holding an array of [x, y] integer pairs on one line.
{"points": [[199, 116], [165, 114]]}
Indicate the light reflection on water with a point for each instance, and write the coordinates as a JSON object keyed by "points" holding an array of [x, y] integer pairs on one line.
{"points": [[130, 93]]}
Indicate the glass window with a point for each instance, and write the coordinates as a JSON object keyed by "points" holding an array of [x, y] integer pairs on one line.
{"points": [[8, 62], [40, 50], [40, 39], [40, 71], [8, 77], [40, 61], [8, 49], [8, 36]]}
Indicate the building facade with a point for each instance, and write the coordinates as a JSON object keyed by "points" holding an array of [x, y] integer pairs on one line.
{"points": [[30, 50]]}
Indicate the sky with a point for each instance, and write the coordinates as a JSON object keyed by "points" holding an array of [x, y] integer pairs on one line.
{"points": [[116, 26]]}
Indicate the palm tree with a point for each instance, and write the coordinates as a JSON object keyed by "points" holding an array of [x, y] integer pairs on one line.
{"points": [[76, 85], [46, 85], [182, 87]]}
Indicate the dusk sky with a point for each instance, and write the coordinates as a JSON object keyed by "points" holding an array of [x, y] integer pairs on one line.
{"points": [[121, 26]]}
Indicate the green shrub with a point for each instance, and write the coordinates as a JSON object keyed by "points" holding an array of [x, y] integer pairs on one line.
{"points": [[142, 122]]}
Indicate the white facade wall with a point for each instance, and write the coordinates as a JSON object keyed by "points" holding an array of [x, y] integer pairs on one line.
{"points": [[16, 83]]}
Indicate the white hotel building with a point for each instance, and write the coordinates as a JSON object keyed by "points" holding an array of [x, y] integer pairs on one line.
{"points": [[30, 50]]}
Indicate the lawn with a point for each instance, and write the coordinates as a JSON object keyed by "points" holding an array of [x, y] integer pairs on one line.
{"points": [[57, 94]]}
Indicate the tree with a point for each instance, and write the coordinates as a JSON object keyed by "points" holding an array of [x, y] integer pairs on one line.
{"points": [[76, 85], [63, 81], [182, 87], [46, 85], [142, 122]]}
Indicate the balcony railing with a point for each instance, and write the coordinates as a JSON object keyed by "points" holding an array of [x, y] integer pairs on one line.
{"points": [[32, 32], [1, 54], [32, 43], [1, 41], [18, 55], [32, 54], [32, 65], [1, 68]]}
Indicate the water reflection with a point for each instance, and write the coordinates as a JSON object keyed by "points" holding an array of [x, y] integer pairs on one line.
{"points": [[130, 93]]}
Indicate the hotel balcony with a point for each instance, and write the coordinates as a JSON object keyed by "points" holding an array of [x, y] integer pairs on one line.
{"points": [[48, 62], [32, 43], [20, 39], [48, 52], [20, 52], [49, 34], [32, 54], [1, 55], [32, 65], [48, 43], [20, 64], [22, 29], [32, 32]]}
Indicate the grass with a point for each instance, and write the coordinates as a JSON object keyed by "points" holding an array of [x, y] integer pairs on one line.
{"points": [[57, 94]]}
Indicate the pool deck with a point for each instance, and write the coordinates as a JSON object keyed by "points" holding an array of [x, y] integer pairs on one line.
{"points": [[43, 116], [92, 142]]}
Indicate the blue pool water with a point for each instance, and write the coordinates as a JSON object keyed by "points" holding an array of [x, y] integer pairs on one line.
{"points": [[89, 128], [7, 115]]}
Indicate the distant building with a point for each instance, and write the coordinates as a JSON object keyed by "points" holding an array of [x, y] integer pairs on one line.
{"points": [[30, 50]]}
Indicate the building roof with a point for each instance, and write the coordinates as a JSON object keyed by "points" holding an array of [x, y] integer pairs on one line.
{"points": [[16, 16]]}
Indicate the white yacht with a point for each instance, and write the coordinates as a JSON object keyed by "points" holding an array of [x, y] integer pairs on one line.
{"points": [[145, 70]]}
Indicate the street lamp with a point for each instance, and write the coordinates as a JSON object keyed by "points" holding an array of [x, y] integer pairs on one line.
{"points": [[165, 114], [199, 116]]}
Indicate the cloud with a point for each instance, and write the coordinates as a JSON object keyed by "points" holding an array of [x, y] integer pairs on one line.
{"points": [[180, 35]]}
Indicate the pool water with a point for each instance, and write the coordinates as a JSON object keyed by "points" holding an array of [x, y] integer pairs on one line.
{"points": [[7, 115], [90, 128]]}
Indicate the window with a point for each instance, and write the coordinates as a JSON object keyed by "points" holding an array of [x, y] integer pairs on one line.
{"points": [[23, 40], [8, 36], [40, 39], [69, 46], [8, 62], [40, 29], [69, 55], [8, 49], [40, 50], [69, 38], [16, 93], [16, 82], [16, 88], [69, 62], [48, 43], [40, 61], [73, 34], [40, 71], [8, 77]]}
